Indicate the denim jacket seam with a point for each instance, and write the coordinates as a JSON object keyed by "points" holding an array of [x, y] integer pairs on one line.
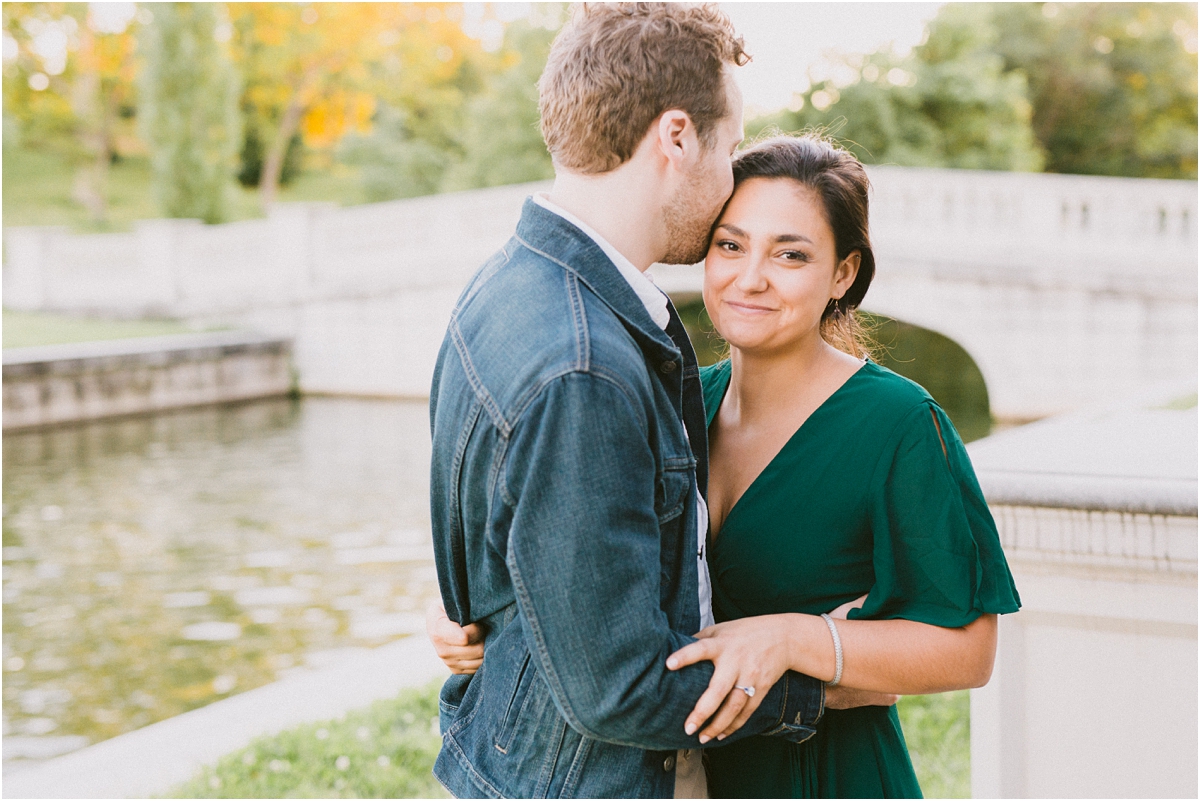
{"points": [[496, 476], [539, 643], [583, 345], [472, 773], [485, 397], [550, 761], [571, 781], [475, 284], [572, 270], [456, 523]]}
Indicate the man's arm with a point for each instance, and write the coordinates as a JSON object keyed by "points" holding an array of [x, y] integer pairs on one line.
{"points": [[584, 554]]}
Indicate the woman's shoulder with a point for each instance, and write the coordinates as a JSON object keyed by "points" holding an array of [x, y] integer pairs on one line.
{"points": [[888, 393]]}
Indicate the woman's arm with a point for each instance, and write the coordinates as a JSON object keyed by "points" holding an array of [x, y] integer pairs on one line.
{"points": [[886, 656]]}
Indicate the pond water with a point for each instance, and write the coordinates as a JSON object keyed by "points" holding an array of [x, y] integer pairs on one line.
{"points": [[153, 565]]}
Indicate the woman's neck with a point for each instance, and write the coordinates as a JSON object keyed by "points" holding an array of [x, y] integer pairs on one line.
{"points": [[764, 385]]}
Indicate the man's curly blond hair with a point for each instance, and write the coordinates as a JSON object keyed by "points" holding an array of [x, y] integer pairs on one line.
{"points": [[616, 67]]}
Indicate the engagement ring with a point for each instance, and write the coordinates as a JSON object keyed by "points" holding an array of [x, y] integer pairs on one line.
{"points": [[749, 691]]}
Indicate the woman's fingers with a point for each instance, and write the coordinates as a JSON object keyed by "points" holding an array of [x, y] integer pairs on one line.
{"points": [[441, 629], [730, 707], [742, 716], [460, 647], [718, 687], [464, 666], [698, 651]]}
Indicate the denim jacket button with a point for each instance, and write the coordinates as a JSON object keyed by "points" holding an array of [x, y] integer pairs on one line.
{"points": [[669, 764], [667, 367]]}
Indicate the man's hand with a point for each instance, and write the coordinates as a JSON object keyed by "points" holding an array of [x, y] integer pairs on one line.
{"points": [[847, 698], [460, 647]]}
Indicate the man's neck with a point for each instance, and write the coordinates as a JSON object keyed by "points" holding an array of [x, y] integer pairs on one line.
{"points": [[620, 207]]}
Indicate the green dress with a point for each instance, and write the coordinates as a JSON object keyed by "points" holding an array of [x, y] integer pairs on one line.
{"points": [[874, 493]]}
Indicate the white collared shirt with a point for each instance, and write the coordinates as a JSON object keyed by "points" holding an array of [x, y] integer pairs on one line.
{"points": [[656, 306]]}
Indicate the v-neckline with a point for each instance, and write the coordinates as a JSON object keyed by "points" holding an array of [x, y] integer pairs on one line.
{"points": [[728, 379]]}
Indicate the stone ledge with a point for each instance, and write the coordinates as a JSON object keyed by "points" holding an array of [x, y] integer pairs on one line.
{"points": [[1133, 495], [75, 355], [91, 380]]}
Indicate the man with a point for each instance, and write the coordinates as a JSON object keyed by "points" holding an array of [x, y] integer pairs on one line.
{"points": [[569, 441]]}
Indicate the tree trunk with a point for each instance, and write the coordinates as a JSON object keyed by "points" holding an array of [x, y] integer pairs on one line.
{"points": [[268, 183], [90, 109]]}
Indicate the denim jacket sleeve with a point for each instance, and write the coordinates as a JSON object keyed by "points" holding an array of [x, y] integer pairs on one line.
{"points": [[583, 551]]}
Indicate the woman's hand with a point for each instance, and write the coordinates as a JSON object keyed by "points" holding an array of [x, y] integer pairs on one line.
{"points": [[751, 652], [460, 647]]}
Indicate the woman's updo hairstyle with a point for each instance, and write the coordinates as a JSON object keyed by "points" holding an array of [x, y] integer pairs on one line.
{"points": [[840, 181]]}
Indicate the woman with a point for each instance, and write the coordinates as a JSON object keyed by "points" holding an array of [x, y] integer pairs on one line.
{"points": [[834, 482]]}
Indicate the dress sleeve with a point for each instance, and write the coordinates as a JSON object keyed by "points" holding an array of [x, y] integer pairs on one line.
{"points": [[937, 554]]}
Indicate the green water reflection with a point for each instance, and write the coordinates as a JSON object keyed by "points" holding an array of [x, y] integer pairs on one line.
{"points": [[153, 565]]}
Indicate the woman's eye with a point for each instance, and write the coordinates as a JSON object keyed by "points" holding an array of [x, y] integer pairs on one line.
{"points": [[727, 246], [795, 255]]}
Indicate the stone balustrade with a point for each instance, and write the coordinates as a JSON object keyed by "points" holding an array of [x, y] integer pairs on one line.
{"points": [[1062, 288], [1094, 688]]}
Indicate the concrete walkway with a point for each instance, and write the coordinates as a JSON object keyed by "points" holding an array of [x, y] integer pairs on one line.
{"points": [[152, 760]]}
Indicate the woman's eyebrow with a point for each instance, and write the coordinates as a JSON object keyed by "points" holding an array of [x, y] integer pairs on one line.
{"points": [[733, 229], [793, 238]]}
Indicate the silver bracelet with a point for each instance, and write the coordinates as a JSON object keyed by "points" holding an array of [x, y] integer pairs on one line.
{"points": [[837, 651]]}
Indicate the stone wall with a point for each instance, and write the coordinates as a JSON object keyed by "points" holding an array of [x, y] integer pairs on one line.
{"points": [[1094, 688], [90, 380]]}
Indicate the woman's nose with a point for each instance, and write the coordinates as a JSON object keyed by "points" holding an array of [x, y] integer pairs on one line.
{"points": [[751, 277]]}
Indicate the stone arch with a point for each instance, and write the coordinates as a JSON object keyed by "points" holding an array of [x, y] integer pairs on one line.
{"points": [[939, 363]]}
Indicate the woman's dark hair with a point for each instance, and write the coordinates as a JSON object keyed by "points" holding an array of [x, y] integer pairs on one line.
{"points": [[840, 181]]}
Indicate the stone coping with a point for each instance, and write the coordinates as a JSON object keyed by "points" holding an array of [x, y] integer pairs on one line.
{"points": [[1153, 496], [1134, 455], [173, 346], [154, 759]]}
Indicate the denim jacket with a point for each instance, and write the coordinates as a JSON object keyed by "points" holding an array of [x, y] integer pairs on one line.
{"points": [[563, 492]]}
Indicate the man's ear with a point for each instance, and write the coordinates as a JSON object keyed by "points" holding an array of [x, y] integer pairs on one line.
{"points": [[676, 137]]}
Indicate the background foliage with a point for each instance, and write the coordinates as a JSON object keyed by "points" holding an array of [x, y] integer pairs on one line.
{"points": [[355, 102], [1087, 88]]}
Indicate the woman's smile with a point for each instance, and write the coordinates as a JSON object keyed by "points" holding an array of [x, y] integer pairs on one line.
{"points": [[752, 309]]}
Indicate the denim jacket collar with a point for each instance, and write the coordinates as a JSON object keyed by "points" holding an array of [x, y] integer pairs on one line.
{"points": [[545, 232]]}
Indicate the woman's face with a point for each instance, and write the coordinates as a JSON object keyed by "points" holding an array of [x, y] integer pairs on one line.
{"points": [[772, 267]]}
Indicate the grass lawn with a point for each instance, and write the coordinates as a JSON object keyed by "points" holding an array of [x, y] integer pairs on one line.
{"points": [[387, 751], [37, 191], [938, 731], [383, 751], [26, 329]]}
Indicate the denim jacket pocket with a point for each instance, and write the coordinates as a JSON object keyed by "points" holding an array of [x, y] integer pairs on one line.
{"points": [[516, 706], [671, 489]]}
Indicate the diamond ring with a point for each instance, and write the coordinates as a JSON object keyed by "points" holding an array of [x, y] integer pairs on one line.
{"points": [[749, 691]]}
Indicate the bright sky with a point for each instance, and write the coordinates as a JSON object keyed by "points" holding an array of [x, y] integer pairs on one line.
{"points": [[789, 41]]}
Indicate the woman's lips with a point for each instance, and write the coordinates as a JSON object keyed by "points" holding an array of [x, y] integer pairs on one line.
{"points": [[748, 308]]}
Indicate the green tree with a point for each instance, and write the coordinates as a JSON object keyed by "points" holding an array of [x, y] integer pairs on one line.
{"points": [[949, 104], [189, 112], [474, 127], [393, 161], [501, 139], [1113, 85], [1091, 88]]}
